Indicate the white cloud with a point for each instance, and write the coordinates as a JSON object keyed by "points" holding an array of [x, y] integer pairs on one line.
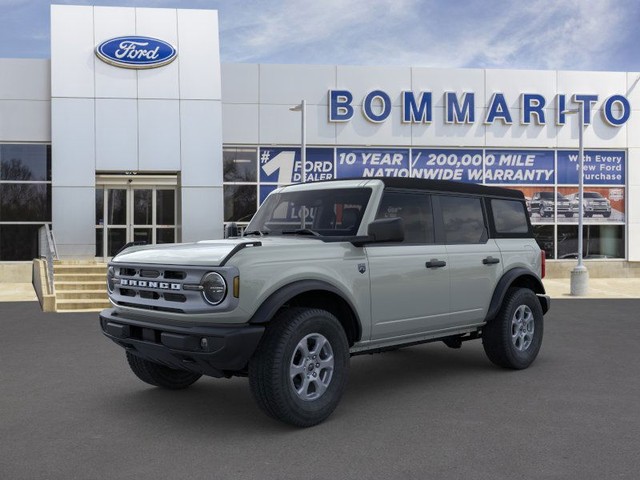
{"points": [[535, 34], [547, 34]]}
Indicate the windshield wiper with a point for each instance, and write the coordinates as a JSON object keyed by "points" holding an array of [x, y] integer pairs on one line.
{"points": [[301, 231], [255, 232]]}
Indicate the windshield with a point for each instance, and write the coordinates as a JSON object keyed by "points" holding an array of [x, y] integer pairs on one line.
{"points": [[592, 195], [335, 212]]}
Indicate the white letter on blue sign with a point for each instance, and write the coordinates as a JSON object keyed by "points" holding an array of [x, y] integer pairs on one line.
{"points": [[385, 103], [412, 112], [586, 101], [498, 109], [456, 113], [625, 108], [561, 106], [532, 104], [340, 109]]}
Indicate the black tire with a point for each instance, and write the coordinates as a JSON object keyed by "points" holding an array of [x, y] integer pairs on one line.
{"points": [[606, 214], [497, 337], [159, 375], [269, 368], [568, 215]]}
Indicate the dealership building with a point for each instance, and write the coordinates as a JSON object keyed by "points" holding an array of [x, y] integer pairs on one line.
{"points": [[134, 131]]}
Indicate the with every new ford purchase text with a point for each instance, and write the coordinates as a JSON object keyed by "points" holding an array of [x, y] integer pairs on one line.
{"points": [[325, 271]]}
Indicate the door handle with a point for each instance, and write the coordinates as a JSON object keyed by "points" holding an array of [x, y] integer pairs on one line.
{"points": [[435, 263], [490, 260]]}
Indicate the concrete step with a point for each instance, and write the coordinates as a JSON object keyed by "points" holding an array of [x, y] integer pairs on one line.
{"points": [[80, 277], [80, 269], [82, 294], [75, 304], [82, 310], [77, 262], [94, 285]]}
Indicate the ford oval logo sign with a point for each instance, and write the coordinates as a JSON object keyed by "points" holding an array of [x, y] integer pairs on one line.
{"points": [[136, 52]]}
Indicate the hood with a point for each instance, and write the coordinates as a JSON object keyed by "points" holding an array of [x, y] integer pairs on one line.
{"points": [[209, 252]]}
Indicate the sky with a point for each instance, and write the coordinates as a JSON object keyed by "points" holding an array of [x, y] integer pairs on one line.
{"points": [[530, 34]]}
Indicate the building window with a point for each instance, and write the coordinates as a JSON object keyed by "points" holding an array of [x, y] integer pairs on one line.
{"points": [[25, 199], [240, 202], [599, 241], [239, 164], [240, 174], [547, 178]]}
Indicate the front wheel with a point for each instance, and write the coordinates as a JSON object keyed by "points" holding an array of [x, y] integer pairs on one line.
{"points": [[300, 370], [159, 375], [513, 338]]}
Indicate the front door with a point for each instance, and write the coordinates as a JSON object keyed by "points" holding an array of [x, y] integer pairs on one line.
{"points": [[135, 211]]}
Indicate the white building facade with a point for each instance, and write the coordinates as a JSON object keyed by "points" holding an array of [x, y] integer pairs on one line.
{"points": [[109, 155]]}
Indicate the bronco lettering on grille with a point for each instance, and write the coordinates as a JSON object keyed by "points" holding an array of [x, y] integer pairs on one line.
{"points": [[125, 282]]}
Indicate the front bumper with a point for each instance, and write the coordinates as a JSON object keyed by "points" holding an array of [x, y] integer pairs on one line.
{"points": [[216, 351], [597, 209]]}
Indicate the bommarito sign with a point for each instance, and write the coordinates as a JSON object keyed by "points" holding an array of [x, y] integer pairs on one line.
{"points": [[459, 108]]}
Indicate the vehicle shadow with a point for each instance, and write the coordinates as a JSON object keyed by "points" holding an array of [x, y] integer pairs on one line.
{"points": [[228, 404]]}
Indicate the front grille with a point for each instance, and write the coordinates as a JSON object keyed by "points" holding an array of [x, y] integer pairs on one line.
{"points": [[175, 275], [152, 287], [147, 294], [175, 297], [150, 273]]}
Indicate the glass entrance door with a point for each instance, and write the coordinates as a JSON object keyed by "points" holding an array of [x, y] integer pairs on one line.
{"points": [[133, 213]]}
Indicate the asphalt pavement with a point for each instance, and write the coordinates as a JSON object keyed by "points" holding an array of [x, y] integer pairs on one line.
{"points": [[71, 409]]}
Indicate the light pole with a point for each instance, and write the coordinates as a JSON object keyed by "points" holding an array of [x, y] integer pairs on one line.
{"points": [[302, 107], [580, 274]]}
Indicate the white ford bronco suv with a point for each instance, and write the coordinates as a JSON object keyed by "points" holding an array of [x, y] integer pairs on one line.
{"points": [[325, 271]]}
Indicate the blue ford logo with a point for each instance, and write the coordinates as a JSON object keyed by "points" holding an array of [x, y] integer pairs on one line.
{"points": [[136, 52]]}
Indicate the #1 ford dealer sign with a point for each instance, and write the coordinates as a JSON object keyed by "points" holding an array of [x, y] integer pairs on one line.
{"points": [[136, 52]]}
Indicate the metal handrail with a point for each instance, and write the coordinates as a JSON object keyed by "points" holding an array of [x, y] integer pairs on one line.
{"points": [[48, 250]]}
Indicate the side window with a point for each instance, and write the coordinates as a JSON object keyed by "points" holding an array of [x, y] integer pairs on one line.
{"points": [[463, 219], [509, 216], [415, 211]]}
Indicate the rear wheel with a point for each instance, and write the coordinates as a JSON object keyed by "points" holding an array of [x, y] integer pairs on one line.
{"points": [[514, 337], [159, 375], [300, 369]]}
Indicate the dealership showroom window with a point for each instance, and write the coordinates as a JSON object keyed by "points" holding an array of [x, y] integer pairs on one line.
{"points": [[550, 186], [25, 198]]}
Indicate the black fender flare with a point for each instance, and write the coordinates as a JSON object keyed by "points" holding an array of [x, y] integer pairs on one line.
{"points": [[280, 297], [508, 278]]}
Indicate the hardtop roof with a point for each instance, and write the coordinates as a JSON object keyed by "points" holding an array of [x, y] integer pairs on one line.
{"points": [[451, 187], [445, 186]]}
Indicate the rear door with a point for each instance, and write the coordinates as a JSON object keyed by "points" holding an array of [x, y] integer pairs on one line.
{"points": [[475, 261], [409, 280]]}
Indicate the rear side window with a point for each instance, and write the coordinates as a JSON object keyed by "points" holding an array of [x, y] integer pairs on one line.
{"points": [[509, 216], [463, 220], [415, 211]]}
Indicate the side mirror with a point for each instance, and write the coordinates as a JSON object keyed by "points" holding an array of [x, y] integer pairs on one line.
{"points": [[232, 230], [386, 230]]}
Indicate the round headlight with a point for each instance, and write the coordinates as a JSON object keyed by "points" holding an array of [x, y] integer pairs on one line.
{"points": [[111, 273], [214, 288]]}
